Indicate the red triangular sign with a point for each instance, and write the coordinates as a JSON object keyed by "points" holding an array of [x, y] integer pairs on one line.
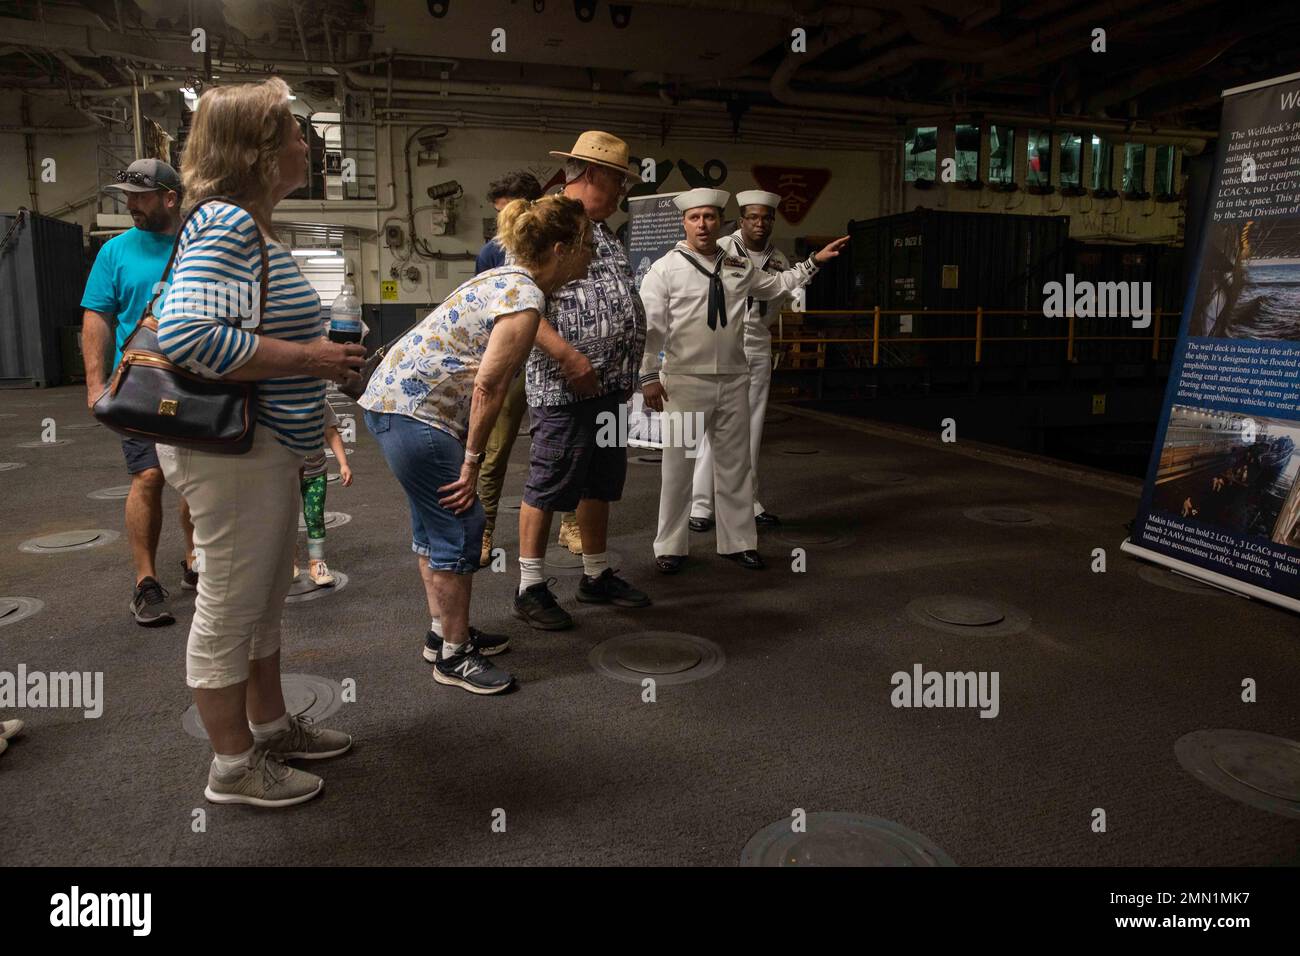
{"points": [[798, 187]]}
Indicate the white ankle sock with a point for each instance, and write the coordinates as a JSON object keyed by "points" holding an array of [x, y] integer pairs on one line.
{"points": [[268, 730], [530, 572], [435, 625], [594, 564], [450, 650], [225, 764]]}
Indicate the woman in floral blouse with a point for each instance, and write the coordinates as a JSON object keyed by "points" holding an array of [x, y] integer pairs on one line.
{"points": [[433, 400]]}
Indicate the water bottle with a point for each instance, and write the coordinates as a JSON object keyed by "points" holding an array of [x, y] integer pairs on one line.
{"points": [[345, 316]]}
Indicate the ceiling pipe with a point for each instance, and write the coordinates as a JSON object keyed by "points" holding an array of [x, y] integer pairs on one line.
{"points": [[1171, 70]]}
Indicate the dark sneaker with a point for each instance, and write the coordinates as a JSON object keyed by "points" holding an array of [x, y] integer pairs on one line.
{"points": [[669, 563], [700, 524], [473, 672], [537, 606], [149, 605], [189, 578], [485, 644], [766, 520], [609, 588]]}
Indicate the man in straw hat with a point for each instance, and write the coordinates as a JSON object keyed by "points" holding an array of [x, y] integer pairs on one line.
{"points": [[582, 368], [754, 240], [696, 300]]}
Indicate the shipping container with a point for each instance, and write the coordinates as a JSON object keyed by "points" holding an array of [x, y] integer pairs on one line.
{"points": [[42, 277]]}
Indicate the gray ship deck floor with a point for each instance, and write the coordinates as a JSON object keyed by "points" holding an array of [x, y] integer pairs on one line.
{"points": [[1110, 673]]}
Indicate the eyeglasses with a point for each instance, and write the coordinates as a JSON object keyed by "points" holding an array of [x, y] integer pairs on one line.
{"points": [[759, 218]]}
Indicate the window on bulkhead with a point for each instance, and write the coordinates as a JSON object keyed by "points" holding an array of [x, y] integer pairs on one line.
{"points": [[919, 152]]}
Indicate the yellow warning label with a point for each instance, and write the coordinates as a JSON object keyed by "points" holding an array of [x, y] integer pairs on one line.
{"points": [[388, 290]]}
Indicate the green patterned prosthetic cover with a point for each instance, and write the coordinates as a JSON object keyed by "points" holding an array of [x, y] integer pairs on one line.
{"points": [[313, 505]]}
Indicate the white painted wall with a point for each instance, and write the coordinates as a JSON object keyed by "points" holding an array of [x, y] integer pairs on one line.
{"points": [[475, 157]]}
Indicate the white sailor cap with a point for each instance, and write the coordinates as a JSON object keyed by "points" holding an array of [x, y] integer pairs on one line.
{"points": [[701, 197], [757, 197]]}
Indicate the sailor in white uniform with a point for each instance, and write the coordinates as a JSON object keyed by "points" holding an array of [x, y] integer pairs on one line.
{"points": [[696, 298], [754, 239]]}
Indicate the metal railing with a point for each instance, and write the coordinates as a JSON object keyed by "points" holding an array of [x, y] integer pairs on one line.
{"points": [[1071, 337]]}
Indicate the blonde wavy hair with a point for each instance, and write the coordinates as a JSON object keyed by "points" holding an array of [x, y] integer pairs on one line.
{"points": [[528, 228], [235, 141]]}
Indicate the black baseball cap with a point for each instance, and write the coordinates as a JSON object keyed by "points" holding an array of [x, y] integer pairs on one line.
{"points": [[146, 175]]}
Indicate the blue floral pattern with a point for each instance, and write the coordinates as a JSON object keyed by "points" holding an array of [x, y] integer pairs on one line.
{"points": [[429, 373]]}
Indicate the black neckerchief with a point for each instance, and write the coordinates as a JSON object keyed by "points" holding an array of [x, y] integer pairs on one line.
{"points": [[717, 297]]}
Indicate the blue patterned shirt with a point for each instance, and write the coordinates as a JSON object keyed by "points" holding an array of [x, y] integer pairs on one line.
{"points": [[602, 317], [429, 374]]}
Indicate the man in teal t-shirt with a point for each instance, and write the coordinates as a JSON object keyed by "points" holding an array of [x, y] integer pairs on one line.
{"points": [[126, 275]]}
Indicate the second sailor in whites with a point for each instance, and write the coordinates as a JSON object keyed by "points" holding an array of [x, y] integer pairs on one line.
{"points": [[754, 240]]}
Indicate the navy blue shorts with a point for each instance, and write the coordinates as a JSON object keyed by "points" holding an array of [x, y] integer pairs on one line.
{"points": [[140, 455], [566, 462], [423, 459]]}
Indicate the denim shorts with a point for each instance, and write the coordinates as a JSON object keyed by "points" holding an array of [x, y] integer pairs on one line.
{"points": [[567, 463], [423, 459]]}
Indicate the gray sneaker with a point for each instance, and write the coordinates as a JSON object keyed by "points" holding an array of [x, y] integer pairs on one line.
{"points": [[304, 741], [149, 604], [265, 782]]}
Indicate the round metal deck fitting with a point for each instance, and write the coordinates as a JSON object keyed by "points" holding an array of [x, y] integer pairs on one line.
{"points": [[68, 541], [304, 696], [510, 502], [1176, 581], [302, 588], [110, 494], [801, 450], [564, 562], [822, 539], [998, 514], [882, 477], [968, 616], [44, 444], [1259, 770], [645, 459], [12, 465], [332, 520], [670, 657], [841, 839], [15, 609]]}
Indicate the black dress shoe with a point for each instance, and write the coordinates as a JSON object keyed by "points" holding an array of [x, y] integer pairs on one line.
{"points": [[700, 524], [749, 560], [766, 519], [669, 563]]}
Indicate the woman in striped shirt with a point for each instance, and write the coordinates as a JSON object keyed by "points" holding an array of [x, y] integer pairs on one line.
{"points": [[245, 144]]}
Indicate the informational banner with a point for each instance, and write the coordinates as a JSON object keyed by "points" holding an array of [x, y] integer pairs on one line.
{"points": [[1221, 501], [654, 227]]}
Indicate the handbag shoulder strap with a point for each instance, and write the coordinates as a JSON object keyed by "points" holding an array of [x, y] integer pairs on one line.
{"points": [[176, 245]]}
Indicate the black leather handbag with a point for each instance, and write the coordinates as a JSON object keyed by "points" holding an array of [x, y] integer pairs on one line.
{"points": [[150, 397]]}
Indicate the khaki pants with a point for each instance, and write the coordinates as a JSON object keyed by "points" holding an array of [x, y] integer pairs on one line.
{"points": [[496, 456], [245, 510]]}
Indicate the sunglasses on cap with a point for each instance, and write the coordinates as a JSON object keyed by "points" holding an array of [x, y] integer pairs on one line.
{"points": [[139, 179]]}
